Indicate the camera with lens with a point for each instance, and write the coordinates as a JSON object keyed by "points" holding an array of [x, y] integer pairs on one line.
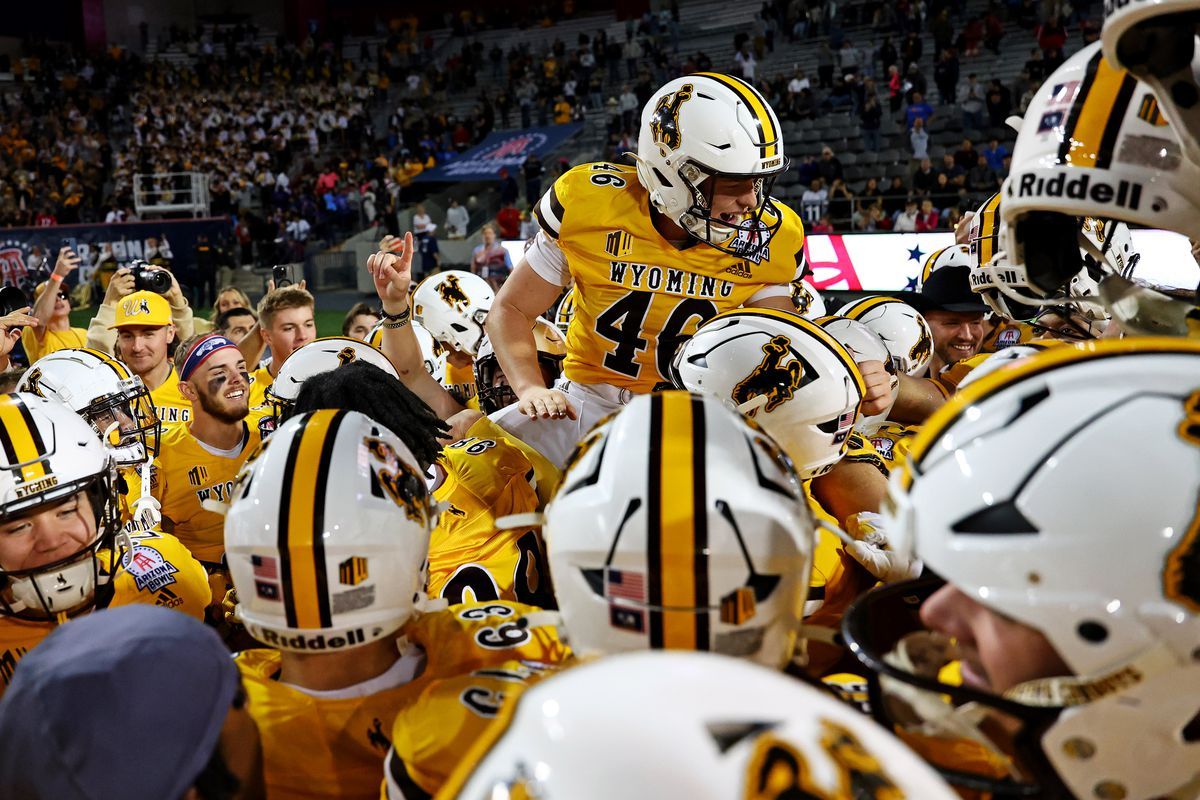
{"points": [[12, 299], [147, 278]]}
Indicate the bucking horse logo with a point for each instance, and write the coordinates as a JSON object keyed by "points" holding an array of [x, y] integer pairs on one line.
{"points": [[772, 378]]}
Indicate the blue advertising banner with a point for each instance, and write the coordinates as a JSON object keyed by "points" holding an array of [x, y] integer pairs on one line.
{"points": [[26, 254], [501, 149]]}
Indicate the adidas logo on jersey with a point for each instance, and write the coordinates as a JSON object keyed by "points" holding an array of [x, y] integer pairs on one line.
{"points": [[741, 269]]}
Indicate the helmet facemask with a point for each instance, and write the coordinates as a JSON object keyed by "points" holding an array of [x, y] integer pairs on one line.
{"points": [[127, 424], [748, 238]]}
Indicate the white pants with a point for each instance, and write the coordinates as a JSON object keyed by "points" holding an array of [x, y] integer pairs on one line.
{"points": [[556, 438]]}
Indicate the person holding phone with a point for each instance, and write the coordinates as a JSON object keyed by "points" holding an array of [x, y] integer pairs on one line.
{"points": [[52, 308]]}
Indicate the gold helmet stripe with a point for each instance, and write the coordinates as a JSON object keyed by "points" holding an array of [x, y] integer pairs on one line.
{"points": [[855, 310], [21, 439], [677, 535], [814, 330], [989, 229], [927, 270], [302, 522], [115, 365], [758, 109], [1091, 131], [1049, 359]]}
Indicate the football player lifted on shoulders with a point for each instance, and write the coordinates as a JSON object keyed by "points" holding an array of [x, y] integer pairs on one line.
{"points": [[62, 551], [1056, 655], [359, 661], [652, 251]]}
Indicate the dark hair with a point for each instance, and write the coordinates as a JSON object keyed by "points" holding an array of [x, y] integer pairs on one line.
{"points": [[366, 388], [221, 323], [357, 310]]}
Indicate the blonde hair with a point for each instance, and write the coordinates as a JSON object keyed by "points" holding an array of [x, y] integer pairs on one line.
{"points": [[280, 300], [241, 296]]}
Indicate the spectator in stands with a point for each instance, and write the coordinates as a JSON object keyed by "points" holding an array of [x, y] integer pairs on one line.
{"points": [[870, 192], [532, 171], [870, 119], [925, 178], [825, 63], [971, 100], [868, 217], [508, 221], [812, 202], [993, 28], [918, 109], [906, 220], [918, 140], [956, 176], [999, 103], [431, 256], [632, 53], [981, 179], [945, 76], [628, 105], [746, 63], [995, 153], [1051, 38], [457, 220], [895, 86], [52, 308], [490, 260], [841, 202], [10, 334], [966, 155], [562, 110], [798, 82], [236, 323], [829, 167], [421, 221], [823, 226], [971, 38], [529, 225], [894, 197], [230, 297], [509, 192], [849, 58], [359, 321]]}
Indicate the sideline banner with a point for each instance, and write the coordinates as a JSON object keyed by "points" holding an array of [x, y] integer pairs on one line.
{"points": [[889, 262], [501, 149], [22, 250]]}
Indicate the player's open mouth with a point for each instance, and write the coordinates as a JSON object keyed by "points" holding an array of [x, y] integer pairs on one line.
{"points": [[234, 395]]}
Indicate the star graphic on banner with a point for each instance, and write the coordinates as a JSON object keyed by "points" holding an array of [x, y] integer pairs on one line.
{"points": [[911, 286], [916, 254]]}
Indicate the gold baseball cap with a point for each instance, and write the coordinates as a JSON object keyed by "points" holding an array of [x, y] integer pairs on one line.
{"points": [[142, 308]]}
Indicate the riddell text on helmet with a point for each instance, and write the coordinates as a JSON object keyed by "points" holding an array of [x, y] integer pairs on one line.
{"points": [[318, 641], [1126, 194]]}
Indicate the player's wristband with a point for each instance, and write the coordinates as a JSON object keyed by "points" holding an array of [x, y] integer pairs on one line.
{"points": [[397, 320]]}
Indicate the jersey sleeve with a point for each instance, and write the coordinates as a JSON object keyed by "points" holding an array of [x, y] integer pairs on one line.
{"points": [[548, 261]]}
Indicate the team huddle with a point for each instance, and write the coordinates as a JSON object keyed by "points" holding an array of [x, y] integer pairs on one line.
{"points": [[649, 520]]}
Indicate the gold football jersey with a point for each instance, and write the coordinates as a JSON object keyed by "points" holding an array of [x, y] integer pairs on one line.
{"points": [[157, 570], [460, 383], [185, 474], [891, 442], [636, 295], [1006, 334], [260, 380], [488, 477], [169, 403]]}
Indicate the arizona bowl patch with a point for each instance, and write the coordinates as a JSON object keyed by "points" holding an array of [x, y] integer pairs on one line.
{"points": [[884, 446], [150, 571], [1008, 337]]}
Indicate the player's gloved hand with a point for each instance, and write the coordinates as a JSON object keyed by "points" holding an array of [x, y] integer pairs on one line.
{"points": [[545, 403], [870, 548], [229, 607], [879, 384]]}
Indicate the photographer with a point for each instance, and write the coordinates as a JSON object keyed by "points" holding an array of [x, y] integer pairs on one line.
{"points": [[52, 307], [139, 327]]}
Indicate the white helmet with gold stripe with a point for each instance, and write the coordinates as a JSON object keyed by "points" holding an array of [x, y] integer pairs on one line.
{"points": [[901, 327], [103, 391], [691, 725], [701, 128], [47, 455], [322, 355], [328, 534], [430, 350], [680, 526], [1058, 499], [863, 344], [452, 305], [955, 255], [785, 373], [1103, 148]]}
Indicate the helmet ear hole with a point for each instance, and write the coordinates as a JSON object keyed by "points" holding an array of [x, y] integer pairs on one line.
{"points": [[1056, 258]]}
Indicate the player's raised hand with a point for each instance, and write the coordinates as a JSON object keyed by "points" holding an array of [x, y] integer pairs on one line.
{"points": [[541, 402], [391, 269]]}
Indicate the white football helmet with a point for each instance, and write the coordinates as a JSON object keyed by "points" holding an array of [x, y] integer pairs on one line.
{"points": [[784, 372], [48, 454], [956, 255], [1103, 148], [429, 348], [899, 326], [327, 536], [1060, 493], [679, 526], [452, 306], [692, 725], [103, 391], [551, 350], [864, 344], [322, 355], [698, 129], [1155, 42]]}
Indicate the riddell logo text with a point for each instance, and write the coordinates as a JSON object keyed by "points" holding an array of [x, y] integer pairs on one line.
{"points": [[317, 642], [1125, 195]]}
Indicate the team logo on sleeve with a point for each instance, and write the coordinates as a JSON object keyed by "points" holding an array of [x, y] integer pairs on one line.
{"points": [[664, 123], [772, 378]]}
